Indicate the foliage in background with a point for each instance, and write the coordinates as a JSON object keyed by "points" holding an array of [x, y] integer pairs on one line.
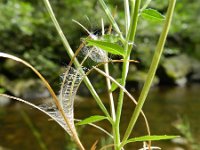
{"points": [[62, 109], [184, 127], [182, 38], [23, 26]]}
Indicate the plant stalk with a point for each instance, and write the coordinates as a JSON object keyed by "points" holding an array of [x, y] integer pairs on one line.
{"points": [[128, 47], [71, 54], [110, 17], [106, 68], [127, 15], [152, 71]]}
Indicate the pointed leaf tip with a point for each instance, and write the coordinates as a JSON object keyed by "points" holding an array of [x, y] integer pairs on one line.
{"points": [[152, 14], [91, 119], [151, 138]]}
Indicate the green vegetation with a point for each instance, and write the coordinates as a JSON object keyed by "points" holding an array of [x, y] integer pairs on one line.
{"points": [[120, 41], [24, 26], [183, 125]]}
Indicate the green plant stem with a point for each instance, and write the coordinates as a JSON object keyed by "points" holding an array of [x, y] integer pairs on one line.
{"points": [[71, 54], [127, 15], [111, 100], [112, 106], [128, 47], [110, 94], [110, 17], [152, 70]]}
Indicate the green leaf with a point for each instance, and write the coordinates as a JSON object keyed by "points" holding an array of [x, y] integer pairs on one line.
{"points": [[91, 119], [151, 138], [115, 86], [111, 38], [107, 46], [152, 14]]}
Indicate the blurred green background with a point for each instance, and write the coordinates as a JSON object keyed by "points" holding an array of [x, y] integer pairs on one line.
{"points": [[26, 31]]}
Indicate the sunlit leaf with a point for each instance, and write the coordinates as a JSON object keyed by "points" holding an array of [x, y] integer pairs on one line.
{"points": [[114, 86], [107, 46], [111, 38], [152, 14], [91, 119], [151, 138]]}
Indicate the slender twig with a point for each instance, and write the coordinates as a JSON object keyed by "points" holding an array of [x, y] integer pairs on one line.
{"points": [[88, 32], [106, 68]]}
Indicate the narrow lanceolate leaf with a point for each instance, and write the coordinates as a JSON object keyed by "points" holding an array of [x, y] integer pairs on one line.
{"points": [[111, 38], [107, 46], [91, 119], [151, 138], [152, 14], [114, 86]]}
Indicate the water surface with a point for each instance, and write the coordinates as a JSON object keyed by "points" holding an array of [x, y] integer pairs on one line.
{"points": [[164, 106]]}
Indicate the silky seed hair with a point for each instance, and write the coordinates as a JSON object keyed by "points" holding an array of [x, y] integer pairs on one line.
{"points": [[71, 81], [94, 53], [69, 90]]}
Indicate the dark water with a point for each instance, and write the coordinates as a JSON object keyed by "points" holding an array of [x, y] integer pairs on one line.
{"points": [[164, 107]]}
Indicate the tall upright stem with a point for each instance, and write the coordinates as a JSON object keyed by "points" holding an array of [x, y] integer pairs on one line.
{"points": [[77, 64], [127, 15], [128, 47], [152, 70], [106, 68]]}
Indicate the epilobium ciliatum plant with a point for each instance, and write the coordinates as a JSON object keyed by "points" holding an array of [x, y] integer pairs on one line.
{"points": [[97, 49]]}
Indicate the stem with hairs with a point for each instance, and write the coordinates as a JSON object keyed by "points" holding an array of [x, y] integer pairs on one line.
{"points": [[152, 71]]}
